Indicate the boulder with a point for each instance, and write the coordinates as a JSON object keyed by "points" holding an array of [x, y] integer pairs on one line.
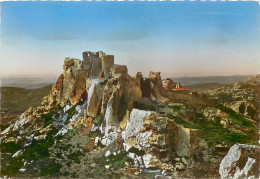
{"points": [[241, 161]]}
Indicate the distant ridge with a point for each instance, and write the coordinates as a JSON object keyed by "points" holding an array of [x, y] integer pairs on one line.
{"points": [[210, 79], [27, 83]]}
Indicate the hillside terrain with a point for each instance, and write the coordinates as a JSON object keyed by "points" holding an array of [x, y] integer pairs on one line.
{"points": [[14, 101], [97, 121]]}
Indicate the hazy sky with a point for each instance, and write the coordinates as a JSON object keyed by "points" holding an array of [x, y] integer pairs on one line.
{"points": [[176, 38]]}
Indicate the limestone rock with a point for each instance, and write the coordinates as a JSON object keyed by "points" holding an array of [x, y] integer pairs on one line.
{"points": [[240, 161], [79, 87]]}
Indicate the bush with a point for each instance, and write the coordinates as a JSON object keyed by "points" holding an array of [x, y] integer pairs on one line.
{"points": [[251, 111], [71, 133], [136, 151], [142, 106], [48, 117], [175, 107], [52, 168], [98, 120], [10, 147], [71, 112], [75, 156], [102, 83]]}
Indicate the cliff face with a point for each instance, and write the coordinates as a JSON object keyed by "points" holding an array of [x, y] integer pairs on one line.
{"points": [[97, 110]]}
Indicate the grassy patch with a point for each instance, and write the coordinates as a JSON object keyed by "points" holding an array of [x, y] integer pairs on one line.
{"points": [[213, 132], [236, 118], [142, 106], [40, 148], [48, 117], [180, 121], [175, 107]]}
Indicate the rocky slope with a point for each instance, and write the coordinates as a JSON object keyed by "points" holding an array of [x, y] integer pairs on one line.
{"points": [[98, 121]]}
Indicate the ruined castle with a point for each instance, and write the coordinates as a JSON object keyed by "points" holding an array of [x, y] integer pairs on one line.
{"points": [[97, 64]]}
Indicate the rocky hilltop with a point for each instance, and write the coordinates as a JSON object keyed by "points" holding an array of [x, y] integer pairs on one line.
{"points": [[98, 121]]}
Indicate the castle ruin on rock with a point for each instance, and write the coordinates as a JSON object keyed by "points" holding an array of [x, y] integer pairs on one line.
{"points": [[97, 64]]}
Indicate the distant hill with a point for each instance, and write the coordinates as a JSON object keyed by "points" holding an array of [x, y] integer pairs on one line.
{"points": [[19, 99], [27, 83], [209, 79], [206, 86]]}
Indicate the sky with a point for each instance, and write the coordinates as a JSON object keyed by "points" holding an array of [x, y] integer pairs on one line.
{"points": [[176, 38]]}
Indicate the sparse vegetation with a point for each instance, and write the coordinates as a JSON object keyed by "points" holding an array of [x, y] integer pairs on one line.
{"points": [[102, 83], [98, 120], [175, 107], [136, 151], [71, 112], [71, 133], [142, 106], [236, 118], [48, 117], [75, 156], [37, 150], [251, 111], [213, 132], [10, 147]]}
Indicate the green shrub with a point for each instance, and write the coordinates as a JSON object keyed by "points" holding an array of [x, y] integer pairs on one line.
{"points": [[242, 108], [98, 120], [180, 121], [142, 106], [13, 167], [136, 151], [118, 160], [71, 133], [75, 156], [74, 175], [251, 112], [102, 83], [48, 117], [94, 134], [99, 144], [175, 107], [10, 147], [71, 112], [52, 169], [66, 147]]}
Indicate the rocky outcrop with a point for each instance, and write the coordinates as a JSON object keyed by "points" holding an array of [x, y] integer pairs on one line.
{"points": [[241, 161]]}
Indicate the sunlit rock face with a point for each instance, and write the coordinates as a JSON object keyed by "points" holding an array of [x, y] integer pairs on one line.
{"points": [[241, 161]]}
